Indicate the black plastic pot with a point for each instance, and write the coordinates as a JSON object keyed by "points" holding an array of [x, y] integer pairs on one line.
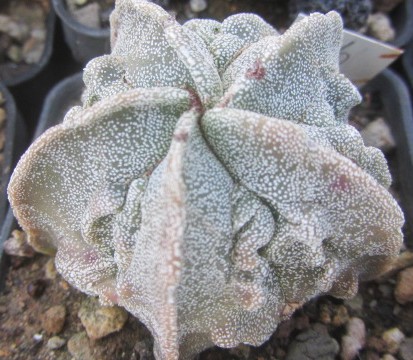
{"points": [[395, 97], [16, 141], [402, 20], [12, 74], [85, 43], [8, 225], [407, 61], [60, 99]]}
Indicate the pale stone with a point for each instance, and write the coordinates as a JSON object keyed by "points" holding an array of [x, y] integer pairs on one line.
{"points": [[100, 321], [354, 339], [393, 337], [403, 291]]}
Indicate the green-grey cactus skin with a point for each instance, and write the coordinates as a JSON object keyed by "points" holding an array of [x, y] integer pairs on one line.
{"points": [[210, 183]]}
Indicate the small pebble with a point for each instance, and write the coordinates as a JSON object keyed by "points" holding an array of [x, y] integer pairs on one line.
{"points": [[36, 288], [33, 50], [55, 342], [100, 321], [35, 266], [53, 319], [18, 30], [314, 343], [325, 314], [388, 357], [379, 26], [64, 285], [403, 261], [50, 269], [17, 244], [5, 353], [14, 53], [37, 337], [377, 133], [393, 338], [2, 116], [198, 5], [354, 340], [340, 316], [39, 33], [403, 291], [79, 347]]}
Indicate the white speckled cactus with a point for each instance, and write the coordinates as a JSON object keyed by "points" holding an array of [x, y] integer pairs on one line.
{"points": [[210, 183]]}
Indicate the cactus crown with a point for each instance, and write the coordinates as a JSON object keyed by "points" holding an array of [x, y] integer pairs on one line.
{"points": [[210, 183]]}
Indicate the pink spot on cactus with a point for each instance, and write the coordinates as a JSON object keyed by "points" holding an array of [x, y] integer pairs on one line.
{"points": [[111, 296], [91, 256], [257, 71], [181, 137], [196, 102], [340, 184]]}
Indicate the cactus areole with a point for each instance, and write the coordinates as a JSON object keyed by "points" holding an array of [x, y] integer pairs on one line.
{"points": [[210, 183]]}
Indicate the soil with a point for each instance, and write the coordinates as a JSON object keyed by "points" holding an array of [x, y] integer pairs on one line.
{"points": [[22, 35], [28, 295]]}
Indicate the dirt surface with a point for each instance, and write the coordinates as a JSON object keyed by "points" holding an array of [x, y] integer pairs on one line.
{"points": [[28, 295]]}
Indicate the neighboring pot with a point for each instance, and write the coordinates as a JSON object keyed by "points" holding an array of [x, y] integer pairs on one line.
{"points": [[395, 97], [60, 99], [402, 20], [85, 43], [11, 74], [15, 143], [407, 61]]}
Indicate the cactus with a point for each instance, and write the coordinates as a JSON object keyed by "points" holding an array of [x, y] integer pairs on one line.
{"points": [[210, 184]]}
